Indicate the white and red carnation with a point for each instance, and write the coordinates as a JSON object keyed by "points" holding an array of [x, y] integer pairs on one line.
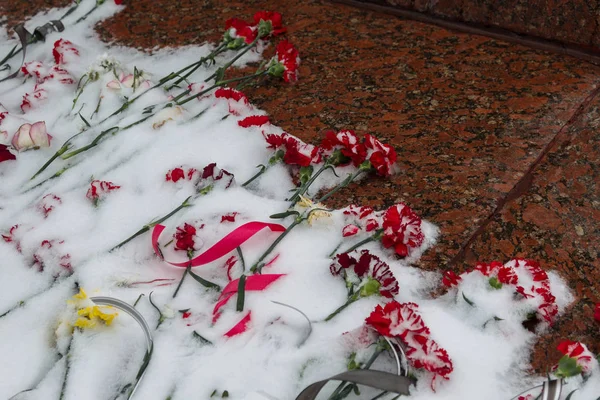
{"points": [[99, 190], [48, 203], [286, 62], [367, 273], [381, 156], [402, 229], [43, 73], [212, 176], [50, 257], [236, 100], [360, 219], [64, 52], [402, 321], [34, 99], [576, 359], [347, 143]]}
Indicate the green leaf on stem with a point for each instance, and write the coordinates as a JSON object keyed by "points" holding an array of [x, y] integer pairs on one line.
{"points": [[204, 282], [284, 214], [495, 283], [241, 294], [469, 302], [201, 339]]}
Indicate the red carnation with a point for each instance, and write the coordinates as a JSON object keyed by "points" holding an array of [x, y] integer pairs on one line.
{"points": [[382, 156], [184, 238], [450, 279], [99, 189], [274, 18], [347, 142], [6, 155], [241, 29], [48, 203], [30, 100], [61, 48], [175, 174], [286, 62], [236, 100], [300, 153], [402, 229], [403, 322], [575, 351], [254, 120], [365, 217]]}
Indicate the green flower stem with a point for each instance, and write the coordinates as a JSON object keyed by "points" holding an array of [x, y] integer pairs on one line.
{"points": [[147, 227], [341, 392], [257, 267], [96, 140], [303, 188], [345, 183], [220, 49], [219, 73], [350, 300], [67, 357], [259, 173], [187, 270], [371, 238], [63, 149], [219, 84], [87, 14]]}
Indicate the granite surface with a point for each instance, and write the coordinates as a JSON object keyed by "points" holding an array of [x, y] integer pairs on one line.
{"points": [[568, 21], [475, 121]]}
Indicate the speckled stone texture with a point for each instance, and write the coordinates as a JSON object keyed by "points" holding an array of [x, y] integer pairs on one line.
{"points": [[473, 119], [569, 21]]}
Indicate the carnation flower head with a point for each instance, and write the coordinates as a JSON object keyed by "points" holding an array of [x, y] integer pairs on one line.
{"points": [[285, 63], [402, 229], [366, 273], [184, 239], [360, 219], [5, 154], [211, 177], [269, 23], [238, 32], [381, 157], [99, 190], [345, 147], [402, 321], [576, 359]]}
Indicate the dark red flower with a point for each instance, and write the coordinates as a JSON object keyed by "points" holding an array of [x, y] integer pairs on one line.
{"points": [[118, 2], [274, 17], [597, 312], [450, 278], [382, 156], [372, 274], [184, 238], [254, 120], [6, 155], [61, 48], [99, 188], [238, 28], [402, 229], [212, 175]]}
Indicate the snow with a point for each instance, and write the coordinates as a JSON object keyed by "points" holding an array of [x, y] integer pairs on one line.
{"points": [[265, 362]]}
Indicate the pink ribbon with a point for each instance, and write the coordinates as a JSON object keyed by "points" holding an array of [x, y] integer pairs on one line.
{"points": [[241, 326], [224, 246]]}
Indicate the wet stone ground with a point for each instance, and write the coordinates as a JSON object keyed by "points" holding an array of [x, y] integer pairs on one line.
{"points": [[498, 143]]}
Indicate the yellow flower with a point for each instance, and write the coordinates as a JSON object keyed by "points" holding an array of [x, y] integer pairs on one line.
{"points": [[90, 315], [82, 295], [307, 203]]}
